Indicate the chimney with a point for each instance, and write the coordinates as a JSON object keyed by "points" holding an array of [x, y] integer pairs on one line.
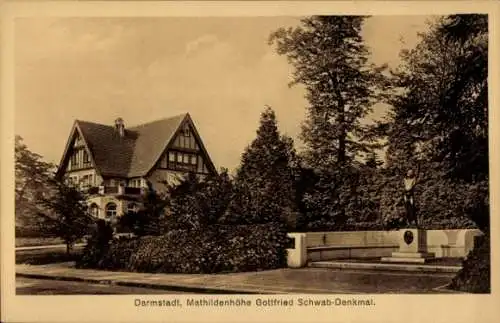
{"points": [[120, 127]]}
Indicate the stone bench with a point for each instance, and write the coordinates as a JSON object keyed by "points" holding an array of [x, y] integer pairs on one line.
{"points": [[330, 252]]}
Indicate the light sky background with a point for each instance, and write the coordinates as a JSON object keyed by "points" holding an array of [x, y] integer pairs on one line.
{"points": [[220, 70]]}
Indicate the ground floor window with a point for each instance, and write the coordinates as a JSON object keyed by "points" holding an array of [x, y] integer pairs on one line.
{"points": [[110, 210], [94, 210], [132, 208]]}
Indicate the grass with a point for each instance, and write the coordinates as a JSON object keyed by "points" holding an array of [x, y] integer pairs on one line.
{"points": [[48, 256], [32, 242], [29, 242]]}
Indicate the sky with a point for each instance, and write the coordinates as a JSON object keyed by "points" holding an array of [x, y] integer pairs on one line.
{"points": [[220, 70]]}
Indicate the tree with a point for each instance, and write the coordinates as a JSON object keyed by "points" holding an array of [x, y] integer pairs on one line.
{"points": [[185, 211], [445, 97], [264, 182], [148, 220], [97, 244], [32, 181], [197, 203], [67, 215], [439, 120], [215, 196], [331, 61]]}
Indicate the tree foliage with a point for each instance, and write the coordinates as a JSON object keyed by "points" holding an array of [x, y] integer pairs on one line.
{"points": [[66, 213], [196, 203], [440, 123], [330, 60], [32, 176], [264, 184], [443, 107], [147, 220]]}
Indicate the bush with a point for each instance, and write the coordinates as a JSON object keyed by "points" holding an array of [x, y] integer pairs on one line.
{"points": [[97, 245], [474, 277], [117, 255], [216, 248]]}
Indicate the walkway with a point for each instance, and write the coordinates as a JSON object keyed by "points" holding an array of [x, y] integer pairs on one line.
{"points": [[280, 281]]}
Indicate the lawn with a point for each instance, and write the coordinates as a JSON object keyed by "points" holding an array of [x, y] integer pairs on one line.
{"points": [[29, 242], [46, 256]]}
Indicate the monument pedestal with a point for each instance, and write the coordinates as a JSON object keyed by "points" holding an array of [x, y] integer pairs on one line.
{"points": [[412, 247]]}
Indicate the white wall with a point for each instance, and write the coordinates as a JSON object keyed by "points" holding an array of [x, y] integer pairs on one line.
{"points": [[362, 244], [172, 177], [101, 201], [80, 173], [159, 175], [352, 238]]}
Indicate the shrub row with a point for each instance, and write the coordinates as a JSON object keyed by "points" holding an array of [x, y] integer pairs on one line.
{"points": [[213, 249]]}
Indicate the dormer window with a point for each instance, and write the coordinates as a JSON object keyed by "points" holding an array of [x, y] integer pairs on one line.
{"points": [[187, 131]]}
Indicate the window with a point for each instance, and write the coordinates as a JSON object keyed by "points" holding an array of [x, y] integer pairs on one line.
{"points": [[86, 159], [110, 210], [94, 210], [85, 181], [171, 156], [73, 161], [182, 161], [73, 180], [76, 155], [132, 208], [135, 182]]}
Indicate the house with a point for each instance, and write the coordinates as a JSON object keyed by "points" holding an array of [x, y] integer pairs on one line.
{"points": [[114, 164]]}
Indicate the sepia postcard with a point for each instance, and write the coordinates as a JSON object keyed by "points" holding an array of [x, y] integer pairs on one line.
{"points": [[274, 161]]}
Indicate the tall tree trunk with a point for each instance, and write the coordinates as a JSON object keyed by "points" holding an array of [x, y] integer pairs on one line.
{"points": [[342, 146]]}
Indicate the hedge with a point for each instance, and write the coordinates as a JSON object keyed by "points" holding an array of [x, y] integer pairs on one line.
{"points": [[213, 249], [475, 275]]}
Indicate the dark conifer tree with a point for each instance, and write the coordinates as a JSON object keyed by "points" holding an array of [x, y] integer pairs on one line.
{"points": [[264, 183]]}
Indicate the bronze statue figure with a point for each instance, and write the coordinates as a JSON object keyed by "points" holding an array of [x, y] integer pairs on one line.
{"points": [[409, 197]]}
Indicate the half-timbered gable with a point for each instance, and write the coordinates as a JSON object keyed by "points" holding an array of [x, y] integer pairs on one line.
{"points": [[77, 162], [185, 152]]}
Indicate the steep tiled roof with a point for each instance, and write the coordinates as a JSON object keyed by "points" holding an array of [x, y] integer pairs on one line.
{"points": [[135, 153], [152, 139]]}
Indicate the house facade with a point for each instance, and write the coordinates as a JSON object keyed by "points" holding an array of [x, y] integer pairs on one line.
{"points": [[115, 164]]}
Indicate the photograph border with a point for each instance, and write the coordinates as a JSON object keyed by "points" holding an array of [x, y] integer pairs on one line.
{"points": [[120, 308]]}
